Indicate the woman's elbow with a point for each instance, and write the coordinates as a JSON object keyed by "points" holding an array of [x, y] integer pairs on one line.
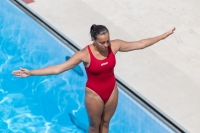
{"points": [[141, 45], [56, 70]]}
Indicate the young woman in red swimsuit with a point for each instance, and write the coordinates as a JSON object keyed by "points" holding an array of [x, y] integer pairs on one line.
{"points": [[101, 95]]}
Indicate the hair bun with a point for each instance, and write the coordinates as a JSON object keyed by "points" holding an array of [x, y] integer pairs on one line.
{"points": [[92, 27]]}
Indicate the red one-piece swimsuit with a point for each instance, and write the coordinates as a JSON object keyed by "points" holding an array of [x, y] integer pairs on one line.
{"points": [[100, 73]]}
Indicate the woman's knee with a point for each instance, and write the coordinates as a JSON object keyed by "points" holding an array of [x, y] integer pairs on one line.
{"points": [[94, 125], [105, 123]]}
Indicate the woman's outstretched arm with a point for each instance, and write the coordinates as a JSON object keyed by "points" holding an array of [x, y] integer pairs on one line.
{"points": [[124, 46], [56, 69]]}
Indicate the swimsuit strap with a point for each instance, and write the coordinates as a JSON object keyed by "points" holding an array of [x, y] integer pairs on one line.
{"points": [[109, 50], [91, 54], [89, 49]]}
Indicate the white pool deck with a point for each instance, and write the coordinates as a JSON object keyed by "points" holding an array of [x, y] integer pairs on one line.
{"points": [[167, 73]]}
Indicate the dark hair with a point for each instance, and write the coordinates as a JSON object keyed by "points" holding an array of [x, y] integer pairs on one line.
{"points": [[97, 30]]}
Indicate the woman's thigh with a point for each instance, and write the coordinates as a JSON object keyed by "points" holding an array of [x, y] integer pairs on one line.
{"points": [[94, 106], [110, 106]]}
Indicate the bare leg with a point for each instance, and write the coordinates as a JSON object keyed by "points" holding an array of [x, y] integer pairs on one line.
{"points": [[94, 106], [109, 109]]}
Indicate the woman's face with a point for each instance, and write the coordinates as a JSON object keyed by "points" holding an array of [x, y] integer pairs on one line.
{"points": [[102, 42]]}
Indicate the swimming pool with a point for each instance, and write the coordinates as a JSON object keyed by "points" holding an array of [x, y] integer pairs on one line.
{"points": [[52, 104]]}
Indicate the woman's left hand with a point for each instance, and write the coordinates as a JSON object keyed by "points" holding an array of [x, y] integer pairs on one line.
{"points": [[168, 33]]}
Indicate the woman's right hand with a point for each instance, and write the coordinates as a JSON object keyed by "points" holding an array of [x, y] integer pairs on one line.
{"points": [[21, 73]]}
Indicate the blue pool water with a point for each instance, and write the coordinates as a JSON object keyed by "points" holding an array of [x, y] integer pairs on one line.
{"points": [[51, 104]]}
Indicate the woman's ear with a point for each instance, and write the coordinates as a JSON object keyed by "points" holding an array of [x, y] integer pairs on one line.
{"points": [[93, 40]]}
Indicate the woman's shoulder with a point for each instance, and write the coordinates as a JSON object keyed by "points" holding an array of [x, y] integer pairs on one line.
{"points": [[114, 44], [85, 49], [83, 53], [115, 41]]}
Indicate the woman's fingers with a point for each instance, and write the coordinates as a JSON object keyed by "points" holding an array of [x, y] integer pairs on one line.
{"points": [[172, 30], [22, 69], [20, 73], [13, 72], [17, 72], [168, 33]]}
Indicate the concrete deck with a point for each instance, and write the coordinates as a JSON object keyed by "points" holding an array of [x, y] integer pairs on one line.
{"points": [[167, 73]]}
